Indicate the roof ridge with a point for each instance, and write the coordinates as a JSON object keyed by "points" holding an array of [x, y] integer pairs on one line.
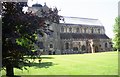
{"points": [[80, 17]]}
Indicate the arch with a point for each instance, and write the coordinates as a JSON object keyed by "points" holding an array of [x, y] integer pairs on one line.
{"points": [[84, 30], [79, 44], [75, 48], [66, 45], [106, 45], [53, 52], [70, 29], [92, 30], [50, 52], [77, 29], [96, 48], [83, 47], [51, 45], [99, 31]]}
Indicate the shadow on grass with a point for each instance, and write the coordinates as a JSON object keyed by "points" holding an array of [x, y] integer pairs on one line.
{"points": [[11, 76], [41, 65], [36, 65], [47, 57], [39, 57], [66, 76]]}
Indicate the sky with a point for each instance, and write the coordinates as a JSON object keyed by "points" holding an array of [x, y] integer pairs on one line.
{"points": [[104, 10]]}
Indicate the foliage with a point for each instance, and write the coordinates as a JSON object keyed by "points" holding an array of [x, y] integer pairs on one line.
{"points": [[19, 32], [116, 31]]}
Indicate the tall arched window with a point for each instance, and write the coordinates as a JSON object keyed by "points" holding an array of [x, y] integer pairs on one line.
{"points": [[83, 47], [84, 30], [99, 31], [67, 45], [106, 45], [92, 30], [77, 29], [79, 44], [70, 29]]}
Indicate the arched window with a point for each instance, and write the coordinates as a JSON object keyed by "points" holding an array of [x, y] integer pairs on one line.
{"points": [[79, 44], [75, 48], [111, 46], [106, 45], [92, 30], [83, 47], [51, 45], [70, 29], [99, 31], [84, 30], [77, 29], [67, 45], [96, 49]]}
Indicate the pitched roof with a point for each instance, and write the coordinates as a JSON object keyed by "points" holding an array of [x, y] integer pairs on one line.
{"points": [[82, 21], [82, 36]]}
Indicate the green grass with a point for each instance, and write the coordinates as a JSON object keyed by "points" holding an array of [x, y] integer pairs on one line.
{"points": [[105, 63]]}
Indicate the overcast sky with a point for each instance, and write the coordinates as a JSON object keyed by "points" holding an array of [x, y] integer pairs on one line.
{"points": [[104, 10]]}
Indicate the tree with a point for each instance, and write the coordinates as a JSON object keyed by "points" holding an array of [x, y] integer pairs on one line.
{"points": [[19, 32], [116, 31]]}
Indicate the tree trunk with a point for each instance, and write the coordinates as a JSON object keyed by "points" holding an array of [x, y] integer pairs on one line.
{"points": [[9, 71]]}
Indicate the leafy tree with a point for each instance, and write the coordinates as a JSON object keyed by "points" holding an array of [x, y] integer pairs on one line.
{"points": [[19, 32], [116, 31]]}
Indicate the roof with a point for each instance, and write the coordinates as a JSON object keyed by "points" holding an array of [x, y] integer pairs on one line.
{"points": [[83, 36], [36, 8], [36, 5], [82, 21]]}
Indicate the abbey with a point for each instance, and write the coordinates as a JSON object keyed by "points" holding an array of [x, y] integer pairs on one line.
{"points": [[74, 35]]}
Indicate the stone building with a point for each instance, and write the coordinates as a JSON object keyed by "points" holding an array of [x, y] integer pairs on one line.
{"points": [[75, 35]]}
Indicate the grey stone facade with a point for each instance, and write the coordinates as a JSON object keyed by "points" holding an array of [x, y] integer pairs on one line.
{"points": [[75, 35]]}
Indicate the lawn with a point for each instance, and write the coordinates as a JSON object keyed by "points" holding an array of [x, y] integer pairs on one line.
{"points": [[105, 63]]}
